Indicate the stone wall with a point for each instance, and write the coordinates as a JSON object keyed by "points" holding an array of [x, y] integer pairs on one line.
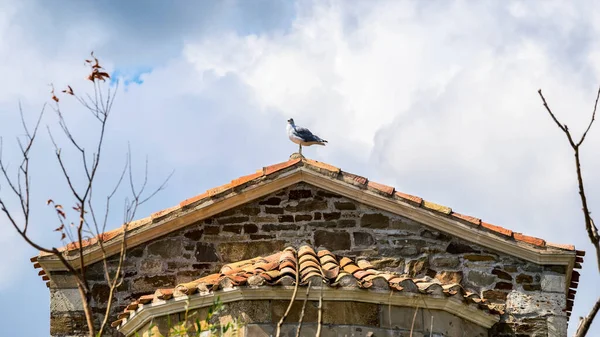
{"points": [[260, 318], [303, 214]]}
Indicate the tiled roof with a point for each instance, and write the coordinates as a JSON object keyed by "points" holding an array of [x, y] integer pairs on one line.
{"points": [[336, 173], [335, 271]]}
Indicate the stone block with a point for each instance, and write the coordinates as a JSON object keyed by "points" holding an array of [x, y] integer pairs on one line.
{"points": [[332, 240], [450, 276], [480, 278], [416, 267], [553, 283], [363, 239], [557, 326], [346, 223], [538, 303], [331, 216], [375, 220], [235, 229], [477, 257], [524, 278], [72, 323], [356, 313], [273, 201], [502, 274], [503, 286], [344, 206], [302, 217], [250, 229], [195, 234], [166, 248], [405, 225], [237, 251], [148, 284], [299, 194], [395, 317], [459, 248], [532, 287], [495, 295], [64, 300], [152, 266], [233, 220], [445, 262], [205, 252], [308, 206], [273, 210]]}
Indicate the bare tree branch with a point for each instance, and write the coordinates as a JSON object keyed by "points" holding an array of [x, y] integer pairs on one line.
{"points": [[303, 308], [87, 228], [590, 227], [287, 311], [586, 322]]}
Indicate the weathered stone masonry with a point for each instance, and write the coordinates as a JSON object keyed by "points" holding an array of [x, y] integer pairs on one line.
{"points": [[303, 214]]}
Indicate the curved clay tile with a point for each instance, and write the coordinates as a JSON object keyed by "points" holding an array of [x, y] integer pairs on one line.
{"points": [[307, 257], [364, 264], [351, 268], [285, 280], [345, 280], [362, 274], [344, 261], [324, 252], [332, 273], [256, 280]]}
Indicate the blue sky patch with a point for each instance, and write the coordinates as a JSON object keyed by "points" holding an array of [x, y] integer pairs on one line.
{"points": [[127, 76]]}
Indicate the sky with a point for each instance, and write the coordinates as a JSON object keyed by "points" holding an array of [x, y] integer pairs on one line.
{"points": [[436, 98]]}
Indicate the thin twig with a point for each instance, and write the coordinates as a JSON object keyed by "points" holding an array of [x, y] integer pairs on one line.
{"points": [[320, 316], [431, 327], [303, 308], [287, 311], [412, 326]]}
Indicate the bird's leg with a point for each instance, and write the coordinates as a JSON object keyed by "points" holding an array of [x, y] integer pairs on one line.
{"points": [[300, 149]]}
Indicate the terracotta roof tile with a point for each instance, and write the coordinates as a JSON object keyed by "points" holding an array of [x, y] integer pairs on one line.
{"points": [[278, 167], [560, 246], [529, 239], [360, 273], [381, 188], [354, 179], [409, 197], [164, 212], [467, 218], [242, 180], [321, 165], [192, 200], [438, 208], [497, 229]]}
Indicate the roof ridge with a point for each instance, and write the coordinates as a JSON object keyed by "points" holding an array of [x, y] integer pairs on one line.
{"points": [[336, 173]]}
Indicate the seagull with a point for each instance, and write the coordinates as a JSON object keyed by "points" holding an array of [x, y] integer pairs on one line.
{"points": [[302, 136]]}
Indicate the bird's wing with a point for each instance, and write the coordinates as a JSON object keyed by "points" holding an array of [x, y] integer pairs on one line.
{"points": [[306, 135]]}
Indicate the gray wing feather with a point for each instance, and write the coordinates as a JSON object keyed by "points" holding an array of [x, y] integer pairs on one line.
{"points": [[306, 135]]}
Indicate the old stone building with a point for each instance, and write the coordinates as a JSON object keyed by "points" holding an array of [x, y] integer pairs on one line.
{"points": [[359, 259]]}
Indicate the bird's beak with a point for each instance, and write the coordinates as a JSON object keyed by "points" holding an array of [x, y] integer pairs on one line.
{"points": [[289, 120]]}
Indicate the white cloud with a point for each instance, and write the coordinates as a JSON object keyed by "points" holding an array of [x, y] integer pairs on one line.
{"points": [[437, 99]]}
